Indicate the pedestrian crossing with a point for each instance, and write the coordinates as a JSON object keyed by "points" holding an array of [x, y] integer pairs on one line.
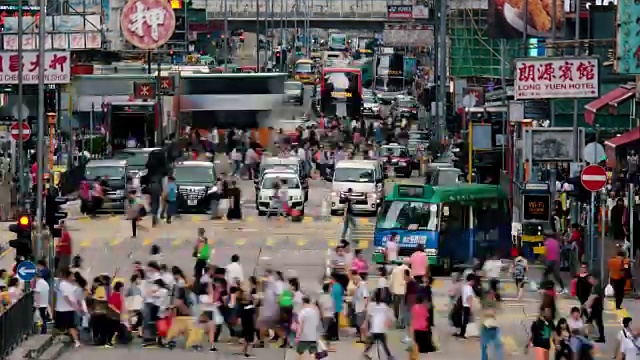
{"points": [[297, 242], [247, 219]]}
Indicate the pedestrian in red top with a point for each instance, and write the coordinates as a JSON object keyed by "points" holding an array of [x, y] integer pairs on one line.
{"points": [[63, 248], [116, 308]]}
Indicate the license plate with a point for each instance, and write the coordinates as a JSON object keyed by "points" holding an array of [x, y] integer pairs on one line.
{"points": [[192, 202]]}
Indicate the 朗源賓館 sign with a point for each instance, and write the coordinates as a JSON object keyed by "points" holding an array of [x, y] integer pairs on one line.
{"points": [[555, 78], [57, 67], [404, 12]]}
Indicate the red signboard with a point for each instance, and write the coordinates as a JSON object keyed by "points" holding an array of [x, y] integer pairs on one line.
{"points": [[556, 78], [144, 90], [148, 24], [593, 177], [166, 84], [15, 131]]}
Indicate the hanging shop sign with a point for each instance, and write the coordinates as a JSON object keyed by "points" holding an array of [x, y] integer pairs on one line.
{"points": [[147, 24], [404, 12], [57, 67], [566, 78]]}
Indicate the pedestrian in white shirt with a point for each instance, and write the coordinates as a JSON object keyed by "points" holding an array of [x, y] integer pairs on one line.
{"points": [[467, 298], [41, 300], [379, 320], [629, 348], [492, 268], [307, 334], [234, 271], [67, 306], [13, 290]]}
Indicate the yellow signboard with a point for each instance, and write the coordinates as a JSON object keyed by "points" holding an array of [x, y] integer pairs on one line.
{"points": [[341, 94], [532, 238]]}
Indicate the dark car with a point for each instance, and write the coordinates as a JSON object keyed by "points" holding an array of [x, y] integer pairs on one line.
{"points": [[398, 158], [405, 108], [195, 181], [115, 173]]}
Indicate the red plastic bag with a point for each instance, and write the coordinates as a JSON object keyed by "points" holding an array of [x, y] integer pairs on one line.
{"points": [[162, 326], [574, 287]]}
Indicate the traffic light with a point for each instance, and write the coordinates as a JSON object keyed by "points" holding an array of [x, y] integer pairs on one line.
{"points": [[53, 213], [22, 243], [50, 101], [278, 54]]}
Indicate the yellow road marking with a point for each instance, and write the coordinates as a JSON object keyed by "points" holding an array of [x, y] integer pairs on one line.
{"points": [[333, 243], [240, 242], [176, 242], [115, 242], [147, 241], [85, 243], [510, 344], [301, 242], [363, 244], [270, 242], [196, 218]]}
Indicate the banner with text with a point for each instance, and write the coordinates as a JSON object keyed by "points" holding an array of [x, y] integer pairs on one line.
{"points": [[75, 32], [555, 78], [403, 12], [408, 35], [57, 67]]}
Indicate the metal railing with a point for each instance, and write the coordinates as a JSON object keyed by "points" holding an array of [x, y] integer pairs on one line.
{"points": [[16, 324], [318, 9]]}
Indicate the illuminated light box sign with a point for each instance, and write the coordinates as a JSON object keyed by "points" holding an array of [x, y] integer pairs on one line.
{"points": [[341, 94], [176, 4], [536, 207]]}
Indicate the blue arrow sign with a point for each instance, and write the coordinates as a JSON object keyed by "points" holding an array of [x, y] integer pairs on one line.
{"points": [[26, 271]]}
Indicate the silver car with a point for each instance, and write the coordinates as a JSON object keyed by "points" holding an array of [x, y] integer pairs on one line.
{"points": [[294, 92]]}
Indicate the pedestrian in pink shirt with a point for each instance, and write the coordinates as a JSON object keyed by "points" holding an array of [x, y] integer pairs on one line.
{"points": [[84, 197], [552, 258], [419, 263], [360, 265]]}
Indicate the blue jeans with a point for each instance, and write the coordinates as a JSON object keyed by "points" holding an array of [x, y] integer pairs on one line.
{"points": [[171, 209], [349, 221], [237, 166], [488, 336]]}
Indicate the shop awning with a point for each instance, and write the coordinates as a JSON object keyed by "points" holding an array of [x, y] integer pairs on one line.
{"points": [[613, 98], [623, 139]]}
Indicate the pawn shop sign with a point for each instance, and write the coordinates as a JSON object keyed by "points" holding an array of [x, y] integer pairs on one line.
{"points": [[15, 131], [593, 177], [147, 24]]}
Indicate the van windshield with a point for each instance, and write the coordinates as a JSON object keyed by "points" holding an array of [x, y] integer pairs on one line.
{"points": [[408, 215], [111, 172], [353, 175]]}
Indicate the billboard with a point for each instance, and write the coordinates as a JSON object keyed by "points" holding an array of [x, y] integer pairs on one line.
{"points": [[407, 35], [556, 78], [399, 12], [627, 39], [75, 32], [147, 24], [552, 144], [57, 67], [506, 18]]}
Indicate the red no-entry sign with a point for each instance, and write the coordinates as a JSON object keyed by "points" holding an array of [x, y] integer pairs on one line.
{"points": [[593, 177], [15, 131]]}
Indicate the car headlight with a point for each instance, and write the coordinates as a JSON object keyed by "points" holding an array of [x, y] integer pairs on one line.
{"points": [[372, 195], [296, 198], [402, 163], [120, 192]]}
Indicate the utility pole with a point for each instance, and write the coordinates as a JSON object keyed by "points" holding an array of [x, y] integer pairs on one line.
{"points": [[41, 119], [20, 151], [226, 42], [258, 36], [576, 136], [441, 112]]}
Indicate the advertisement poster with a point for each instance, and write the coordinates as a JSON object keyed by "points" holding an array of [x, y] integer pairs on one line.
{"points": [[506, 19], [627, 40], [77, 32], [408, 35], [555, 78], [536, 207]]}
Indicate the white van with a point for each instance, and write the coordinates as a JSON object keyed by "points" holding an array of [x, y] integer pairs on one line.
{"points": [[365, 178]]}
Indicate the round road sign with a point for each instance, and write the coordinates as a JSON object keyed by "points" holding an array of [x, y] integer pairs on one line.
{"points": [[15, 131], [593, 177]]}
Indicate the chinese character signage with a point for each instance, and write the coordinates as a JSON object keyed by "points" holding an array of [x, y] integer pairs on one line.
{"points": [[506, 19], [72, 31], [144, 90], [554, 78], [404, 12], [627, 39], [57, 67], [147, 24]]}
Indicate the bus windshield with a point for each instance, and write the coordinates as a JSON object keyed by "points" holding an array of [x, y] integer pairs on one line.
{"points": [[408, 215], [342, 83], [304, 68]]}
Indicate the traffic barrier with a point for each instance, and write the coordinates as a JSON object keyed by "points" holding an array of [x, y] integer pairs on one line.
{"points": [[16, 324]]}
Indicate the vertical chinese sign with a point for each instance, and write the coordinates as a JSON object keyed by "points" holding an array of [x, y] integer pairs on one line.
{"points": [[554, 78], [627, 39]]}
